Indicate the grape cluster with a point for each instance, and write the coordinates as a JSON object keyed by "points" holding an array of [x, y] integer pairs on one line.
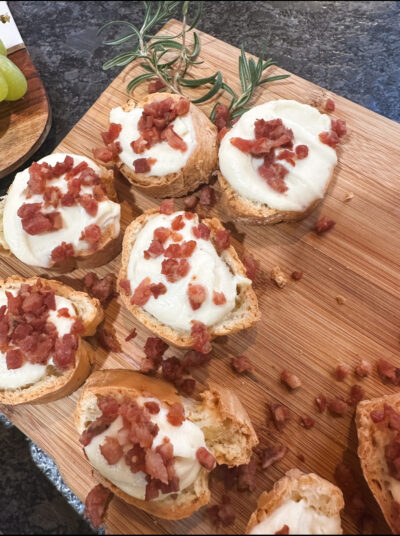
{"points": [[13, 83]]}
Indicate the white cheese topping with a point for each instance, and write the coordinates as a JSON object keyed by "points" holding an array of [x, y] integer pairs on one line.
{"points": [[35, 250], [206, 268], [31, 373], [306, 181], [301, 518], [186, 439], [169, 160]]}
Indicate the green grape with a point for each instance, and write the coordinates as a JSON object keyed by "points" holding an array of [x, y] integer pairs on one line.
{"points": [[3, 88], [16, 81], [3, 49]]}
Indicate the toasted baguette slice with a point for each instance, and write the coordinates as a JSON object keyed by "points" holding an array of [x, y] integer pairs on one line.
{"points": [[56, 384], [244, 315], [228, 432], [248, 211], [108, 247], [371, 442], [325, 498], [201, 164]]}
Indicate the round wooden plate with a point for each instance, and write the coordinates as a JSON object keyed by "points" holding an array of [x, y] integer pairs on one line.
{"points": [[24, 124]]}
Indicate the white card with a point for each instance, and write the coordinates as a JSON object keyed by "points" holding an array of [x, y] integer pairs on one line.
{"points": [[9, 33]]}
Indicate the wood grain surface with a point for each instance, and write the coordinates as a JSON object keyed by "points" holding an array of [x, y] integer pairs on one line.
{"points": [[25, 123], [303, 328]]}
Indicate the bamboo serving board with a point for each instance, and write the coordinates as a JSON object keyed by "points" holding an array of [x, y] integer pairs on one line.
{"points": [[302, 328]]}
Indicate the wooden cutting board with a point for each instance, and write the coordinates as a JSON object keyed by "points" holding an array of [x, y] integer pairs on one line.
{"points": [[302, 328]]}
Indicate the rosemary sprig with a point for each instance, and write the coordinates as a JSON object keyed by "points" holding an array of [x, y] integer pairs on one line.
{"points": [[156, 56]]}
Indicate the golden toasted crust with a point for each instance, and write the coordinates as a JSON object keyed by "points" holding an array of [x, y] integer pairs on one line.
{"points": [[248, 211], [55, 386], [201, 164], [131, 384], [108, 247], [244, 316], [324, 496], [371, 457]]}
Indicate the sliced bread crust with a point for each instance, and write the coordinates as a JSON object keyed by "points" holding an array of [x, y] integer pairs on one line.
{"points": [[57, 385], [108, 247], [371, 458], [131, 384], [295, 485], [199, 168], [244, 315]]}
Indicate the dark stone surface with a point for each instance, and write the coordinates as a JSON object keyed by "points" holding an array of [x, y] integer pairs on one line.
{"points": [[352, 48]]}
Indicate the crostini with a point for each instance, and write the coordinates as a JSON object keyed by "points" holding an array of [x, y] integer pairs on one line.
{"points": [[163, 145], [183, 280], [60, 213], [42, 354], [155, 449], [298, 503], [378, 429], [277, 161]]}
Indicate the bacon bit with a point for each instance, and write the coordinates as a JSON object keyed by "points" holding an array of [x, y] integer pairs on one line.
{"points": [[301, 151], [377, 415], [323, 225], [207, 196], [274, 175], [357, 393], [155, 348], [307, 422], [337, 406], [363, 369], [329, 138], [197, 295], [112, 133], [143, 165], [155, 467], [63, 312], [152, 407], [329, 105], [339, 127], [89, 203], [96, 504], [108, 406], [279, 415], [107, 340], [290, 379], [155, 85], [187, 386], [388, 372], [284, 530], [321, 402], [111, 450], [241, 364], [222, 133], [180, 250], [297, 275], [221, 116], [201, 337], [191, 201], [341, 372], [161, 234], [102, 289], [158, 289], [176, 414], [125, 284], [172, 369], [173, 139], [219, 298], [202, 231], [131, 335], [35, 222], [270, 455], [92, 235], [167, 207], [206, 459], [103, 154], [155, 250], [14, 359], [175, 269], [287, 155], [177, 223], [62, 252], [64, 351], [278, 277], [222, 239], [193, 359], [176, 237], [142, 293]]}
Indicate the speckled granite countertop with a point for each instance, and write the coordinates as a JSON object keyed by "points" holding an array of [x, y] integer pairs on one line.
{"points": [[351, 48]]}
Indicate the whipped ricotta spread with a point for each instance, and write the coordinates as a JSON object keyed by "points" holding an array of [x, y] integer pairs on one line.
{"points": [[301, 518], [186, 439], [31, 373], [306, 181], [207, 268], [169, 160], [35, 250]]}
